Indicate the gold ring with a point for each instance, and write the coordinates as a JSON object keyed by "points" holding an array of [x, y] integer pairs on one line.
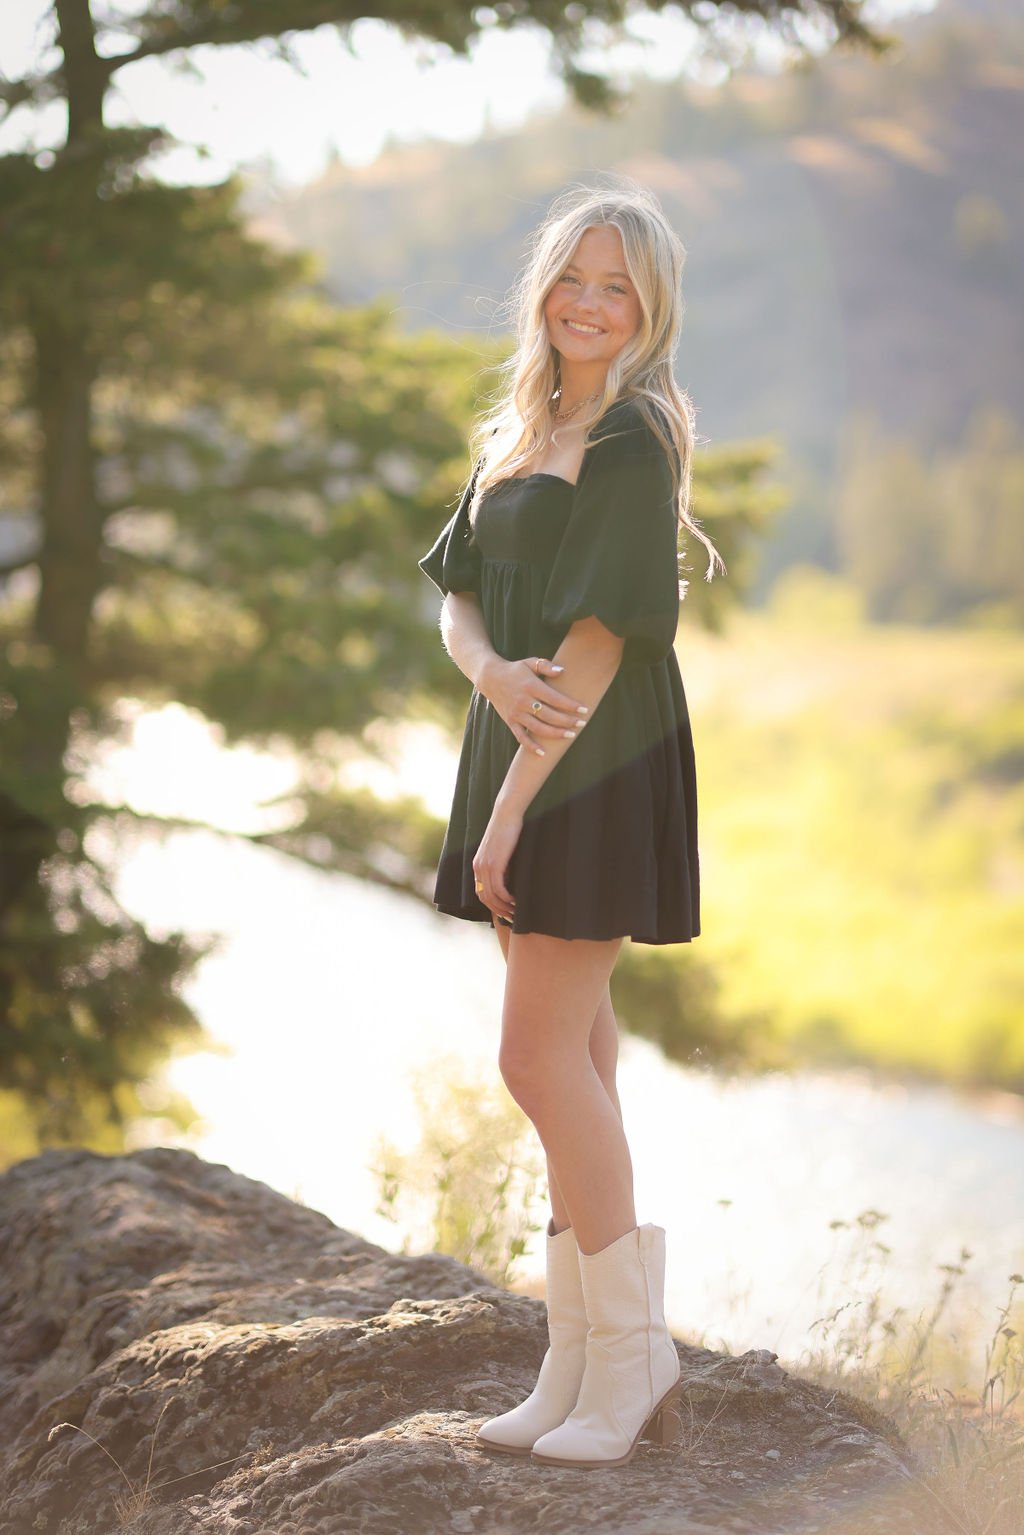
{"points": [[536, 706], [479, 886]]}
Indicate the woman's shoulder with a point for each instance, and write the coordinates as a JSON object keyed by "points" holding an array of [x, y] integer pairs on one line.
{"points": [[626, 428]]}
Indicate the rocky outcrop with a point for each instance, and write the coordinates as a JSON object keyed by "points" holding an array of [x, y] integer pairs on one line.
{"points": [[241, 1365]]}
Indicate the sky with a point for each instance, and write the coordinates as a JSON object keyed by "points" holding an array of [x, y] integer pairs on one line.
{"points": [[241, 106]]}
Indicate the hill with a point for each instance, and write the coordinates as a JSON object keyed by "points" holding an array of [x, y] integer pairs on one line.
{"points": [[855, 233]]}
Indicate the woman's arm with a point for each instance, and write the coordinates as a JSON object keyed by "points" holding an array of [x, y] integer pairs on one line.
{"points": [[509, 686], [465, 635], [591, 655]]}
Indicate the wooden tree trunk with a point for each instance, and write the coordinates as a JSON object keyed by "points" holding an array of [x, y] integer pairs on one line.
{"points": [[70, 554], [69, 563]]}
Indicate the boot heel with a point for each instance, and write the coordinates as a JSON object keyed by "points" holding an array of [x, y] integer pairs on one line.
{"points": [[666, 1424]]}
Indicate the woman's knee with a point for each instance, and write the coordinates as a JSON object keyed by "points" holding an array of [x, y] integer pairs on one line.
{"points": [[535, 1074], [519, 1069]]}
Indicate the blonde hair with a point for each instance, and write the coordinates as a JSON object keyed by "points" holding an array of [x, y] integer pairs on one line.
{"points": [[519, 426]]}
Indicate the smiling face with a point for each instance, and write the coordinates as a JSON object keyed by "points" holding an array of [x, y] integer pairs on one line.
{"points": [[593, 308]]}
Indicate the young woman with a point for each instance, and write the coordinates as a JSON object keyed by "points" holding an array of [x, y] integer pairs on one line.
{"points": [[574, 822]]}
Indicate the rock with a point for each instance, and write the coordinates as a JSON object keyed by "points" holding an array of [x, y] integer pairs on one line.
{"points": [[253, 1369]]}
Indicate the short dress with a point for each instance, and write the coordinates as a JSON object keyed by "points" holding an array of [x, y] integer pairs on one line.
{"points": [[608, 846]]}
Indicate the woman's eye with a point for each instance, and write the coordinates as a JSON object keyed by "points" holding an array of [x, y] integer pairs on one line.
{"points": [[613, 287]]}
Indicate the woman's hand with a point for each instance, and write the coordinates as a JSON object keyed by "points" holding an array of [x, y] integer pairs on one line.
{"points": [[514, 687], [492, 859]]}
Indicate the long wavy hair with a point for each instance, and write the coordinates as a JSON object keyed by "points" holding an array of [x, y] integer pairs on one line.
{"points": [[519, 425]]}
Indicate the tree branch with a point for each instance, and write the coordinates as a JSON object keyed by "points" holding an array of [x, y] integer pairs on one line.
{"points": [[352, 863], [456, 29]]}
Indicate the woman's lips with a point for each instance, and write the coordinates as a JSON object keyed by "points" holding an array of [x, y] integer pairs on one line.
{"points": [[571, 326]]}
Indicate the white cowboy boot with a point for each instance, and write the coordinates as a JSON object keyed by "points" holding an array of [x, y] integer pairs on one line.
{"points": [[562, 1367], [630, 1384]]}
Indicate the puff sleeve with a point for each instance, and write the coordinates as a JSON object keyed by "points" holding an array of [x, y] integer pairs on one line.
{"points": [[618, 558], [453, 564]]}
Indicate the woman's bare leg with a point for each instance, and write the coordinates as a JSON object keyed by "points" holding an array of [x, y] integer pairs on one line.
{"points": [[554, 990], [604, 1052]]}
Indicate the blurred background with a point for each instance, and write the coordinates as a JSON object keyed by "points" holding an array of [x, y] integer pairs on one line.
{"points": [[251, 275]]}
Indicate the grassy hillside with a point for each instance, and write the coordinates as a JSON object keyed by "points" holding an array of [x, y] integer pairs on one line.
{"points": [[862, 833]]}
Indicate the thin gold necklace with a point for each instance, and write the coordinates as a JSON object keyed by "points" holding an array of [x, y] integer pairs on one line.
{"points": [[567, 415]]}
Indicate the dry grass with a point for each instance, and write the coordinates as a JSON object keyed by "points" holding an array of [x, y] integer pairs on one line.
{"points": [[967, 1440], [130, 1506]]}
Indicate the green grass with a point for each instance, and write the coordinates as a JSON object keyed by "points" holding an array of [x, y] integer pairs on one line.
{"points": [[862, 834]]}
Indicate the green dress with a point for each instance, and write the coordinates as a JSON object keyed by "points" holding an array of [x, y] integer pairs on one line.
{"points": [[609, 843]]}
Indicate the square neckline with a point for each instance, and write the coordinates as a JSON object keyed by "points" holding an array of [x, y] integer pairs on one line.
{"points": [[542, 474]]}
